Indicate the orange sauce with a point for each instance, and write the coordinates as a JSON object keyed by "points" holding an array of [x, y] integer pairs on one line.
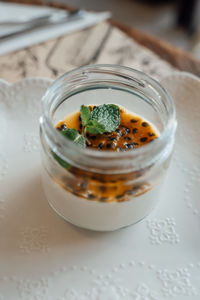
{"points": [[133, 132]]}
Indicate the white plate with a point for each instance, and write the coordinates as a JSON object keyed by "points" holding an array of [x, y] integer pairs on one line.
{"points": [[44, 257]]}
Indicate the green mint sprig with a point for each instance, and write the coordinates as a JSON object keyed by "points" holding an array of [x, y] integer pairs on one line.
{"points": [[61, 162], [85, 115], [94, 127], [103, 118], [74, 136]]}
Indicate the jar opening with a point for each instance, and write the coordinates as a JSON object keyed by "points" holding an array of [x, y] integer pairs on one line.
{"points": [[99, 84]]}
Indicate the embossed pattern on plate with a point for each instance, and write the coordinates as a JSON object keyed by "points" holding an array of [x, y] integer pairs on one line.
{"points": [[44, 257]]}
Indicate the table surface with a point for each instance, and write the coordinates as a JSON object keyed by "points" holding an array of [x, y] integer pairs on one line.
{"points": [[178, 58], [54, 57]]}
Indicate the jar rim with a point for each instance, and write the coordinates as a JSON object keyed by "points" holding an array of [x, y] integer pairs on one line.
{"points": [[137, 153]]}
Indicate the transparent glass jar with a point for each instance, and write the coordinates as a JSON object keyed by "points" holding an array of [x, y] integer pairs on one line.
{"points": [[72, 175]]}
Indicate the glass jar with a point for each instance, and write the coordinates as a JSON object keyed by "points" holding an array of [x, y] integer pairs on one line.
{"points": [[75, 180]]}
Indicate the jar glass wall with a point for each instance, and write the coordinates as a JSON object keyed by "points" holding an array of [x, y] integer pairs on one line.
{"points": [[105, 190]]}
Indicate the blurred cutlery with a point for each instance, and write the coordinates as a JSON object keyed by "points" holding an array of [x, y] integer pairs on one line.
{"points": [[51, 19]]}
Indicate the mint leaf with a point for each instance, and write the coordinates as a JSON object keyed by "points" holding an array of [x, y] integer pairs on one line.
{"points": [[107, 115], [62, 162], [74, 136], [70, 133], [80, 140], [85, 114], [95, 127]]}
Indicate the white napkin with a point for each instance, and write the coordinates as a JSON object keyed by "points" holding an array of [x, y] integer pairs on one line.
{"points": [[18, 12]]}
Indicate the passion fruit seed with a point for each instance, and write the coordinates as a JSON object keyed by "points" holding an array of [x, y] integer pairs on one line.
{"points": [[63, 126], [127, 138], [103, 199], [145, 124], [101, 146], [143, 139], [151, 134], [135, 130]]}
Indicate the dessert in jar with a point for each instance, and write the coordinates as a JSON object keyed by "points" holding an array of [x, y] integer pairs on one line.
{"points": [[107, 135]]}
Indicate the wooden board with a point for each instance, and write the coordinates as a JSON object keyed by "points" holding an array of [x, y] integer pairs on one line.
{"points": [[178, 58], [57, 56]]}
